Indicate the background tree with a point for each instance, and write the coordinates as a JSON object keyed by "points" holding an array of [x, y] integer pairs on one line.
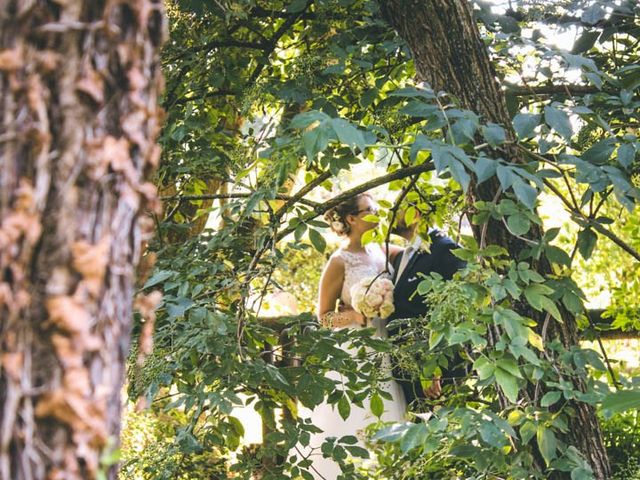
{"points": [[450, 56], [79, 84]]}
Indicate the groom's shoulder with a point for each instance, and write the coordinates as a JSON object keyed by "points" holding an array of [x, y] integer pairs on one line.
{"points": [[440, 240]]}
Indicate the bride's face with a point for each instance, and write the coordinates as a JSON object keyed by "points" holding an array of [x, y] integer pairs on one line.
{"points": [[366, 206]]}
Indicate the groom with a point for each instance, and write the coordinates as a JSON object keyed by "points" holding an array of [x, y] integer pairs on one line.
{"points": [[409, 267]]}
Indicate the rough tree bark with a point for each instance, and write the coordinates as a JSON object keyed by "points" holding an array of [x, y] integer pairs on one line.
{"points": [[450, 56], [79, 83]]}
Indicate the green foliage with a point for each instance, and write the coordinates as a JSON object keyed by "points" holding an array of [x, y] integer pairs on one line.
{"points": [[629, 471], [271, 101], [149, 451], [623, 445]]}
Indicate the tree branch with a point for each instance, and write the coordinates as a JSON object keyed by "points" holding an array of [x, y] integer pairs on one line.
{"points": [[274, 41], [376, 182], [231, 42], [568, 90], [218, 196], [298, 197], [598, 227], [260, 12]]}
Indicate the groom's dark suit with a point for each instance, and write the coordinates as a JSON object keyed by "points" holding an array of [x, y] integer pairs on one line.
{"points": [[439, 259]]}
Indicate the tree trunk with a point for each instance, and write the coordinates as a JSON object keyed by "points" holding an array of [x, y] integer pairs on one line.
{"points": [[450, 56], [79, 83]]}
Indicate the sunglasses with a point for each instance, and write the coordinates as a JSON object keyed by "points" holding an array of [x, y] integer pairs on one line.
{"points": [[371, 210]]}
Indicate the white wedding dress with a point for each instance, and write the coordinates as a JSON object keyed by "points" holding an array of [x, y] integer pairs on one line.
{"points": [[326, 416]]}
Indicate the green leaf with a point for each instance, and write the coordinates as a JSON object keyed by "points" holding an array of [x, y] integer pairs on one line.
{"points": [[357, 451], [600, 152], [315, 141], [178, 309], [413, 437], [493, 251], [299, 231], [421, 143], [158, 277], [586, 41], [464, 130], [348, 134], [459, 173], [573, 303], [593, 14], [510, 366], [417, 108], [344, 407], [594, 78], [492, 435], [518, 224], [412, 92], [622, 400], [527, 431], [550, 398], [582, 473], [528, 275], [376, 404], [586, 243], [303, 120], [557, 255], [297, 6], [525, 193], [317, 240], [549, 306], [441, 157], [626, 155], [349, 439], [535, 293], [410, 215], [547, 443], [525, 123], [494, 134], [512, 323], [559, 121], [392, 433], [485, 168], [508, 383], [506, 176], [484, 367]]}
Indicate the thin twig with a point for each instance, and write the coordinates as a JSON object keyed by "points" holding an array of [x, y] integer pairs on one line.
{"points": [[394, 212]]}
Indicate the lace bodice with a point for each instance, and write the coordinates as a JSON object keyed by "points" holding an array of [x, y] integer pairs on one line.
{"points": [[358, 266]]}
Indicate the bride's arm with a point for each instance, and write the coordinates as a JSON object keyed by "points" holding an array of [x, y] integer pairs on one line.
{"points": [[330, 289]]}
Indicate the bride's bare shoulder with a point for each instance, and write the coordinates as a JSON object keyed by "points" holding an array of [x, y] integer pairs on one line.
{"points": [[336, 261]]}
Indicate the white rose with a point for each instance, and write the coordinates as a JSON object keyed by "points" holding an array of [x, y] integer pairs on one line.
{"points": [[374, 300], [386, 310]]}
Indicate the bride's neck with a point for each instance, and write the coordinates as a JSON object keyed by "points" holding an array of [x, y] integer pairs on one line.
{"points": [[355, 244]]}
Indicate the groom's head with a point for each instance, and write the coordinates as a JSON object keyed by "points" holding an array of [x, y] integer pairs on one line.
{"points": [[401, 227]]}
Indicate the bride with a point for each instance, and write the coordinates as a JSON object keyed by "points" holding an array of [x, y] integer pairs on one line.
{"points": [[349, 264]]}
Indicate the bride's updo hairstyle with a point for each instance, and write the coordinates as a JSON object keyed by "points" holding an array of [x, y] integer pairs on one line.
{"points": [[337, 216]]}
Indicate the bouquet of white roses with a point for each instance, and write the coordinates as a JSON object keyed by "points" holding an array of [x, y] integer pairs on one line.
{"points": [[373, 297]]}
